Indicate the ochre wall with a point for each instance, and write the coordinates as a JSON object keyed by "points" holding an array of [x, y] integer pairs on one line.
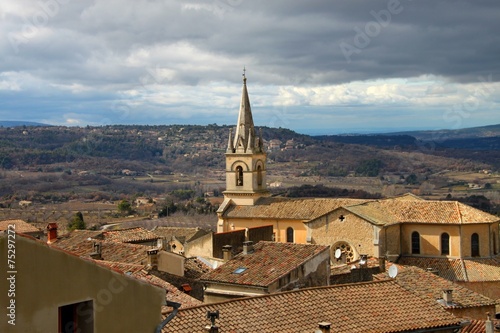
{"points": [[390, 239], [430, 238], [47, 279], [279, 227], [483, 232], [201, 246], [490, 289], [171, 263]]}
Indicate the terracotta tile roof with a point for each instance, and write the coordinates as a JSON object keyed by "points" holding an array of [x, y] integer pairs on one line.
{"points": [[430, 285], [173, 293], [286, 208], [131, 235], [421, 211], [465, 270], [407, 197], [479, 326], [195, 268], [381, 306], [183, 235], [484, 269], [475, 326], [110, 251], [21, 226], [268, 262], [77, 236]]}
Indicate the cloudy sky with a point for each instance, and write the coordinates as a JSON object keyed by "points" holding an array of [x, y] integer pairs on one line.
{"points": [[316, 66]]}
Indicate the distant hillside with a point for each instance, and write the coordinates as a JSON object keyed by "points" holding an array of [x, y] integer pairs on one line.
{"points": [[17, 123], [62, 163], [378, 140], [443, 135]]}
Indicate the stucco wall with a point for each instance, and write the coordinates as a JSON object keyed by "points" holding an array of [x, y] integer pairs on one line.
{"points": [[47, 279], [490, 289], [171, 263], [201, 247], [357, 232]]}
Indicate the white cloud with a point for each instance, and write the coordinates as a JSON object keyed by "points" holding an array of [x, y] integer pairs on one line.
{"points": [[123, 61]]}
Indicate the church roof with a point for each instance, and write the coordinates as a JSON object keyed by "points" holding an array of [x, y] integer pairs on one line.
{"points": [[286, 208], [464, 270], [420, 211]]}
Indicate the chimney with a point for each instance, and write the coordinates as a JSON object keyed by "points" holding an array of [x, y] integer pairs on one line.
{"points": [[153, 258], [247, 247], [51, 232], [97, 254], [162, 244], [448, 296], [325, 327], [381, 264], [488, 324], [227, 252]]}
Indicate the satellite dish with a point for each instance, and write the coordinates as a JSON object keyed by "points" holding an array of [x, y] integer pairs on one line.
{"points": [[393, 271], [338, 253]]}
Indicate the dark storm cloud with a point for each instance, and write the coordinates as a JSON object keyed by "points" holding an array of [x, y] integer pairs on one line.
{"points": [[149, 54]]}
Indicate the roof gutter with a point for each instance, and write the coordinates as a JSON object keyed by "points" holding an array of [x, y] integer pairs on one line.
{"points": [[171, 316], [455, 328]]}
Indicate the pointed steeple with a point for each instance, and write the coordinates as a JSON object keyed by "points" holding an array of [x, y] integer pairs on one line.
{"points": [[245, 131], [245, 161]]}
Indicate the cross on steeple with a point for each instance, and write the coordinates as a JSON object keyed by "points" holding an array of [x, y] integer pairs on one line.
{"points": [[244, 72]]}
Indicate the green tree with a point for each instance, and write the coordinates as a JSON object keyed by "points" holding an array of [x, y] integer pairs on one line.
{"points": [[168, 209], [369, 168], [77, 222], [125, 207], [411, 179]]}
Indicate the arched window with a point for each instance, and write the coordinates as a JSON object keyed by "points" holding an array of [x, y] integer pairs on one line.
{"points": [[289, 235], [415, 243], [239, 176], [259, 175], [445, 244], [474, 245]]}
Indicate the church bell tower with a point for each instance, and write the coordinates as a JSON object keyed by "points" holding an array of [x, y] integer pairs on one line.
{"points": [[245, 158]]}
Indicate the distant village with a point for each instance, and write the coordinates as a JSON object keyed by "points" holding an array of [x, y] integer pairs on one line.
{"points": [[265, 263]]}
